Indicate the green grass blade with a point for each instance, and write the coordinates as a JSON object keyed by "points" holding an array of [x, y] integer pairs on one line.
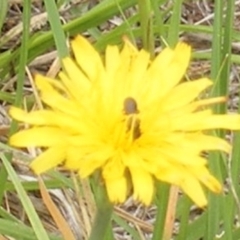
{"points": [[184, 218], [99, 14], [196, 228], [146, 21], [162, 203], [123, 223], [216, 59], [229, 204], [234, 170], [27, 204], [159, 21], [174, 27], [214, 207], [23, 232], [20, 80], [3, 12], [56, 28]]}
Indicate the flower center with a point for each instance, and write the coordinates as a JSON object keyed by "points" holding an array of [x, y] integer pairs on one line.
{"points": [[132, 120]]}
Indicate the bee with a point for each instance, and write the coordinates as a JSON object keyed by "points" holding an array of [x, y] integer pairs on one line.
{"points": [[130, 106], [133, 123]]}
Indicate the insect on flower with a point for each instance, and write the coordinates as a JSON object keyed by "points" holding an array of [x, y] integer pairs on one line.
{"points": [[130, 106], [133, 123], [130, 137]]}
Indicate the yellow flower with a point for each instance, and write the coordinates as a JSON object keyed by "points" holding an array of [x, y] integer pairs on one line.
{"points": [[129, 117]]}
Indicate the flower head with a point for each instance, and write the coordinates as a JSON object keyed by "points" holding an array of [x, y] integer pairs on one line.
{"points": [[129, 117]]}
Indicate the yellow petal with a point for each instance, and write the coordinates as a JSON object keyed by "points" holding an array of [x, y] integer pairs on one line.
{"points": [[87, 159], [108, 83], [75, 78], [40, 117], [117, 189], [207, 179], [223, 121], [176, 149], [205, 142], [116, 183], [185, 93], [194, 190], [136, 78], [114, 168], [143, 185], [87, 57], [51, 118], [53, 98], [112, 60], [191, 122], [181, 177], [75, 74], [46, 84], [38, 136], [208, 101], [128, 49], [48, 159], [205, 121], [167, 71], [17, 113]]}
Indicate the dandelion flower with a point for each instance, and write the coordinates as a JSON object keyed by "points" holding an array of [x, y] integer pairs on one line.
{"points": [[131, 118]]}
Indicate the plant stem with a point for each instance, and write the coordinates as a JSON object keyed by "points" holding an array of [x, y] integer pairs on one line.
{"points": [[103, 215]]}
